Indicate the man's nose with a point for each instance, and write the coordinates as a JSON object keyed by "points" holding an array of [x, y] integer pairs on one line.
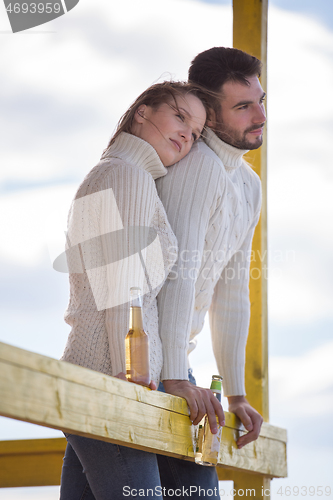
{"points": [[260, 114]]}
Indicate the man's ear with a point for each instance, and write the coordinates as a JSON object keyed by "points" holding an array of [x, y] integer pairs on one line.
{"points": [[139, 115], [211, 118]]}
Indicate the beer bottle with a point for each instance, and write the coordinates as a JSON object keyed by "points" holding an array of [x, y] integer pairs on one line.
{"points": [[208, 443], [137, 343]]}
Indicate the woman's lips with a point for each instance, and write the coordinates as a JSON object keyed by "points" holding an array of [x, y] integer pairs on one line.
{"points": [[177, 145]]}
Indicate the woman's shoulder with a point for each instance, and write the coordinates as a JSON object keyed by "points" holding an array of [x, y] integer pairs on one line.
{"points": [[110, 172]]}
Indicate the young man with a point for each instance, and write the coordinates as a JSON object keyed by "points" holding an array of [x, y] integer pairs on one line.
{"points": [[213, 200]]}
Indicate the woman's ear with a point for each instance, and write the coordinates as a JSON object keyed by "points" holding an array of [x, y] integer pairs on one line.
{"points": [[139, 115]]}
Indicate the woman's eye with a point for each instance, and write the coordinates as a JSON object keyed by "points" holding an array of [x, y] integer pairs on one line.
{"points": [[182, 117], [194, 137]]}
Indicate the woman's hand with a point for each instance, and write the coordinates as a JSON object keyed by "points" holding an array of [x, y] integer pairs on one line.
{"points": [[152, 384], [200, 401]]}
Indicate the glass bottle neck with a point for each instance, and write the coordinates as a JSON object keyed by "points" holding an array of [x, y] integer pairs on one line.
{"points": [[216, 386], [136, 320]]}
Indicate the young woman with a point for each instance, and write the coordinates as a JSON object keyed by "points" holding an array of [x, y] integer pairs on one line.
{"points": [[108, 252]]}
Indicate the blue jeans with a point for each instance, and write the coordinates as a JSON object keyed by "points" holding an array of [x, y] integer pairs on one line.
{"points": [[96, 470]]}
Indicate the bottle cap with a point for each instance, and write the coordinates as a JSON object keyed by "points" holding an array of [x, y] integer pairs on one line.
{"points": [[216, 385], [135, 296]]}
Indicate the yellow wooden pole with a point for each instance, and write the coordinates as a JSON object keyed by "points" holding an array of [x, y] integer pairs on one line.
{"points": [[250, 35]]}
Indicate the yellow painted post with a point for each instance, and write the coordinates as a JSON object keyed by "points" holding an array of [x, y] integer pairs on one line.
{"points": [[250, 35]]}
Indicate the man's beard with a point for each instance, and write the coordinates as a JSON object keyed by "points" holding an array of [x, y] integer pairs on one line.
{"points": [[236, 138]]}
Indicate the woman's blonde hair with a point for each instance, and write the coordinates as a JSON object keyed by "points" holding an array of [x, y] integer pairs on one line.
{"points": [[154, 96]]}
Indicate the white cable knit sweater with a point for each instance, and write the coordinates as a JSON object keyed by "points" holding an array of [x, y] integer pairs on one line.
{"points": [[212, 199], [125, 176]]}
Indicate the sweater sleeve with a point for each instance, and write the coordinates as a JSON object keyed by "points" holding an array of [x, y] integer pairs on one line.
{"points": [[186, 193], [229, 316], [130, 203]]}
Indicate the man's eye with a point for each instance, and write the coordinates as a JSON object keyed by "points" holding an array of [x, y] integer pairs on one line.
{"points": [[243, 107]]}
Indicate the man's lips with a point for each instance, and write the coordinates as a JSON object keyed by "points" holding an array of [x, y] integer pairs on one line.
{"points": [[257, 131], [177, 145]]}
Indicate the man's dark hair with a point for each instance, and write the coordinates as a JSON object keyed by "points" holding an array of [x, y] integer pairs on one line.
{"points": [[214, 67]]}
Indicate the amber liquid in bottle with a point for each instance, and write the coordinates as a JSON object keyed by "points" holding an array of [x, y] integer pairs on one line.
{"points": [[137, 343], [208, 443]]}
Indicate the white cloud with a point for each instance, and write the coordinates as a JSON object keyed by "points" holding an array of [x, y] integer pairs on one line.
{"points": [[300, 178], [26, 218], [62, 94], [302, 386], [79, 80]]}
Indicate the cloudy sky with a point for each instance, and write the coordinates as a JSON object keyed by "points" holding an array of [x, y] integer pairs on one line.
{"points": [[65, 84]]}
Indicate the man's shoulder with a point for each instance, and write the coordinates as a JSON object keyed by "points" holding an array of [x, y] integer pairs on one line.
{"points": [[200, 158], [200, 148], [249, 174], [201, 152]]}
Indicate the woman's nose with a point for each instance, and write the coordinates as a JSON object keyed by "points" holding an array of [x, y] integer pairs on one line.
{"points": [[186, 132]]}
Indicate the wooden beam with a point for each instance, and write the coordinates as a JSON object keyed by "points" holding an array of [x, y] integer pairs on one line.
{"points": [[60, 395], [31, 462]]}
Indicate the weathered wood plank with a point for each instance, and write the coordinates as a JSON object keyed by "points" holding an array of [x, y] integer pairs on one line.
{"points": [[56, 394]]}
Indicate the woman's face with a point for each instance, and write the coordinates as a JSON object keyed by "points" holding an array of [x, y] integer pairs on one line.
{"points": [[169, 130]]}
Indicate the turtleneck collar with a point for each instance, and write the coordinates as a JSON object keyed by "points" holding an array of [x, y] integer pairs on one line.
{"points": [[231, 157], [130, 148]]}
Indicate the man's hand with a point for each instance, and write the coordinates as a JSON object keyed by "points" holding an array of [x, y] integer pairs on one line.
{"points": [[152, 384], [249, 417], [200, 401]]}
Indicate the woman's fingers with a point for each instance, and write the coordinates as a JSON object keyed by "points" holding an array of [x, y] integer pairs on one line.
{"points": [[152, 384]]}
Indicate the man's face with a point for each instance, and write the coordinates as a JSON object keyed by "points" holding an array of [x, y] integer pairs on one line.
{"points": [[242, 115]]}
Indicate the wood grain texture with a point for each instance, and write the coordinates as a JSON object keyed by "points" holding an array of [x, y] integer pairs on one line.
{"points": [[31, 462], [60, 395]]}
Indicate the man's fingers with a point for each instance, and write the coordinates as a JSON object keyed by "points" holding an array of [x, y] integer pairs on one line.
{"points": [[245, 419], [219, 411], [252, 435], [215, 409], [200, 401], [194, 410]]}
